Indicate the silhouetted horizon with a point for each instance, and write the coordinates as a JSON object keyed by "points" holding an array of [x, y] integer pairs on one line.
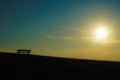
{"points": [[31, 67]]}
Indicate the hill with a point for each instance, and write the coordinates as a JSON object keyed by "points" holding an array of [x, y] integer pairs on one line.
{"points": [[33, 67]]}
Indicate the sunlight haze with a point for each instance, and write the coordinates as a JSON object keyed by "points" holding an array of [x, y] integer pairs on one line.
{"points": [[83, 29]]}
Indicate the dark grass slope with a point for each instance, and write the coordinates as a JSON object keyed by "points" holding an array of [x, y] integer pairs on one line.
{"points": [[31, 67]]}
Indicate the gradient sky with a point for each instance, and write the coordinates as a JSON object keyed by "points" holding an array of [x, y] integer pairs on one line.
{"points": [[62, 28]]}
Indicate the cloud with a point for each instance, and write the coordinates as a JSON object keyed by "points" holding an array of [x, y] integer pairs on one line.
{"points": [[71, 37], [82, 32], [107, 41], [68, 37], [52, 37], [77, 29], [113, 41]]}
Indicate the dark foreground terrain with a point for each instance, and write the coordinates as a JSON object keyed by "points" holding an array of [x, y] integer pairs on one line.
{"points": [[31, 67]]}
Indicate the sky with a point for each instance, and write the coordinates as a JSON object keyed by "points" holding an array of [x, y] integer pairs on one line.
{"points": [[61, 28]]}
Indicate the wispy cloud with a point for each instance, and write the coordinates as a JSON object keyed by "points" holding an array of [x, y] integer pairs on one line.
{"points": [[77, 29], [109, 41], [68, 37], [52, 37], [114, 41], [79, 37]]}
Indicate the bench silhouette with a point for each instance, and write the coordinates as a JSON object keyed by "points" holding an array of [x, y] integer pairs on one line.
{"points": [[23, 51]]}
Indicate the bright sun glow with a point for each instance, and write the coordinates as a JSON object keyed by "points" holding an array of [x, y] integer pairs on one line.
{"points": [[101, 33]]}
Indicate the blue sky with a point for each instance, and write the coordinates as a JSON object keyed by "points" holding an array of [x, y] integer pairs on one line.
{"points": [[59, 27]]}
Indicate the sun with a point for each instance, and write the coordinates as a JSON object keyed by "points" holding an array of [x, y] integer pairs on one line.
{"points": [[101, 33]]}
